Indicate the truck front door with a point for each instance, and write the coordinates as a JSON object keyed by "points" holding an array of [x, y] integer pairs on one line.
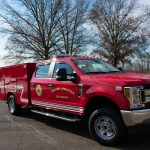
{"points": [[64, 91]]}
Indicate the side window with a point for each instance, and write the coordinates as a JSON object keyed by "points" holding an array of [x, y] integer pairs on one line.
{"points": [[42, 71], [62, 65]]}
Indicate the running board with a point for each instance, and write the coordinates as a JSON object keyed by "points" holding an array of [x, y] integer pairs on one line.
{"points": [[56, 116]]}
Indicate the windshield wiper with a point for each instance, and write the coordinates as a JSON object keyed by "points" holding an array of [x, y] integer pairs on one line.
{"points": [[100, 72], [114, 71]]}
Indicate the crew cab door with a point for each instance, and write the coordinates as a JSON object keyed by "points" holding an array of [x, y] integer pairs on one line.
{"points": [[39, 85], [64, 91]]}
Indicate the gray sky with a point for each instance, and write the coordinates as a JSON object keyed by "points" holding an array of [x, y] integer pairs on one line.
{"points": [[145, 2], [3, 38]]}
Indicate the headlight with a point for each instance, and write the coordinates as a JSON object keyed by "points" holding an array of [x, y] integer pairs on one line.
{"points": [[133, 94]]}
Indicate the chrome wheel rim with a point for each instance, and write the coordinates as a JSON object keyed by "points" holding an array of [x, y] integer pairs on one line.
{"points": [[105, 127], [11, 105]]}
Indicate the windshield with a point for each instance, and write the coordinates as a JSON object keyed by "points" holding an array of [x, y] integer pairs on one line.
{"points": [[94, 66]]}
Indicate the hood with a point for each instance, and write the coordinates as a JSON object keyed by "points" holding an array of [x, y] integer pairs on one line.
{"points": [[118, 79]]}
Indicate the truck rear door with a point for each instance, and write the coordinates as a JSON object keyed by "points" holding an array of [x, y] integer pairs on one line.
{"points": [[39, 85]]}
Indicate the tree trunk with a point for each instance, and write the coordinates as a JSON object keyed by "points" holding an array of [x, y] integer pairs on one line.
{"points": [[115, 62], [46, 53]]}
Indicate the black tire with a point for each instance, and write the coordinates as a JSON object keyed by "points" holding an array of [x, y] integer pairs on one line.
{"points": [[106, 127], [14, 108]]}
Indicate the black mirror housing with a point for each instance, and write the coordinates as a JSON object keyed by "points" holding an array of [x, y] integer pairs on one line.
{"points": [[73, 77], [61, 74]]}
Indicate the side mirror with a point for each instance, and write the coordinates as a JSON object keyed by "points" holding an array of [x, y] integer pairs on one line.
{"points": [[73, 77], [61, 74]]}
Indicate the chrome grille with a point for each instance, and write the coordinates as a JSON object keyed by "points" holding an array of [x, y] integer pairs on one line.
{"points": [[127, 92], [147, 95]]}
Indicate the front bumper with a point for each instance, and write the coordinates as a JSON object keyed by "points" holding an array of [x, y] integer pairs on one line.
{"points": [[134, 117]]}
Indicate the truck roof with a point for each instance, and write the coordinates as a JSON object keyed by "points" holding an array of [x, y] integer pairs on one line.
{"points": [[64, 57], [53, 58]]}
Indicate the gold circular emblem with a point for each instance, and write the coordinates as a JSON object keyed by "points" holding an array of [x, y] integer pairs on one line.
{"points": [[38, 90]]}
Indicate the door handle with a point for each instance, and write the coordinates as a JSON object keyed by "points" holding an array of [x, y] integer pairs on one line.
{"points": [[51, 85], [33, 85]]}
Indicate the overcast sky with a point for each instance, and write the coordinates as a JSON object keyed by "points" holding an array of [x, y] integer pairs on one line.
{"points": [[3, 39], [145, 2]]}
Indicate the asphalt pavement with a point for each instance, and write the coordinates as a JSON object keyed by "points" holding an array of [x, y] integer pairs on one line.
{"points": [[31, 131]]}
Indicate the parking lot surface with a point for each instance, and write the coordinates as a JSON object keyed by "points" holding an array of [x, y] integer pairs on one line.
{"points": [[31, 131]]}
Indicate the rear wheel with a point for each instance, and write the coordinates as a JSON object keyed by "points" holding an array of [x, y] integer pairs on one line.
{"points": [[106, 126], [14, 108]]}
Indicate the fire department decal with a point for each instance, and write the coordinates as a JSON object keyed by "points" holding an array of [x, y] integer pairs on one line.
{"points": [[63, 89], [62, 97], [38, 90]]}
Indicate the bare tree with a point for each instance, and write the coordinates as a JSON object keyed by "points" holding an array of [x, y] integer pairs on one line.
{"points": [[32, 26], [39, 28], [119, 29], [72, 26], [140, 64]]}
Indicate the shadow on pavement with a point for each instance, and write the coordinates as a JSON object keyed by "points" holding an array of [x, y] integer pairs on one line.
{"points": [[79, 128], [138, 137]]}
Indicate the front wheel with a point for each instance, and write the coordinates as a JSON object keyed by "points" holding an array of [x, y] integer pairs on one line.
{"points": [[14, 108], [106, 126]]}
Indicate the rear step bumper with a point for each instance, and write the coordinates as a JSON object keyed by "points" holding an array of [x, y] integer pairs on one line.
{"points": [[56, 116]]}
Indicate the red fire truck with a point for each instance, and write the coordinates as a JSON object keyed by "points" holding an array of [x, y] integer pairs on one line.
{"points": [[73, 88]]}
